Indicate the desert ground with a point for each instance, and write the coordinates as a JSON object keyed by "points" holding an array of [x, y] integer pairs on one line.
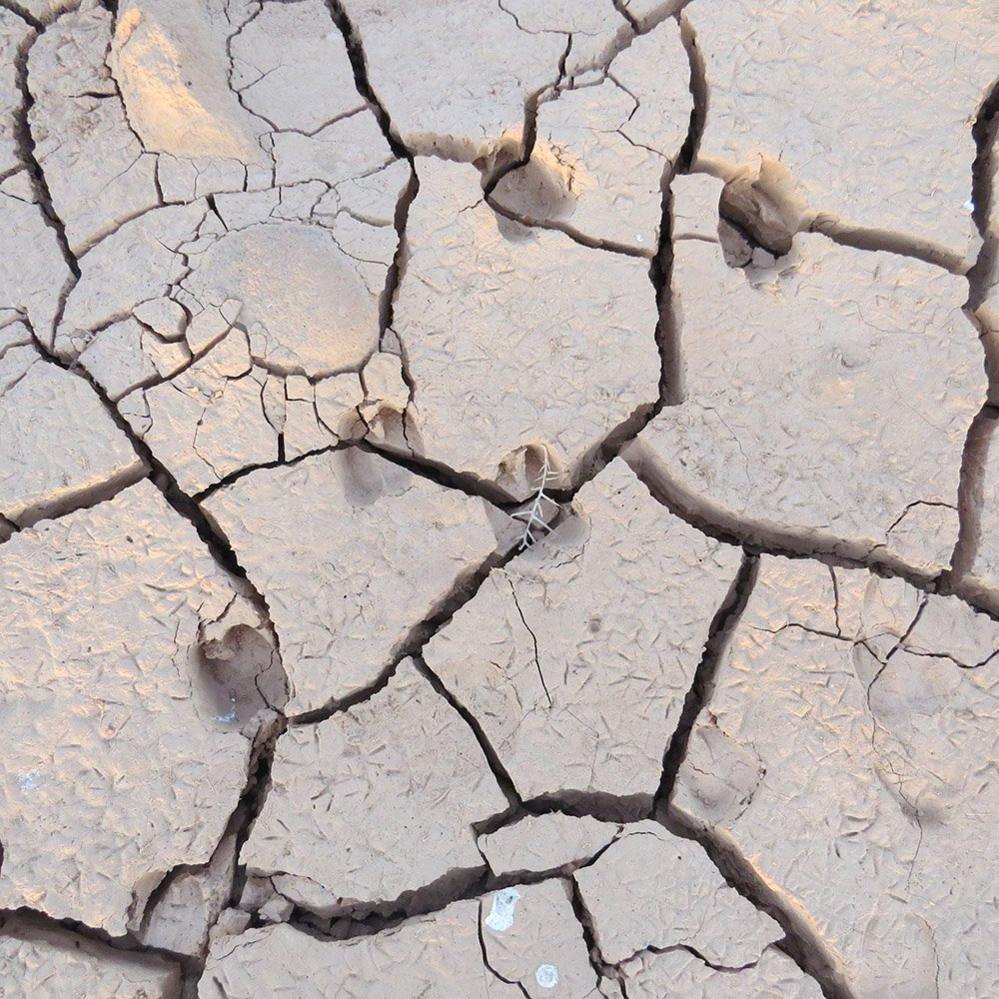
{"points": [[497, 499]]}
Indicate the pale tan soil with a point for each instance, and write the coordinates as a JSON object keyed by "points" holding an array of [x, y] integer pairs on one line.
{"points": [[498, 499]]}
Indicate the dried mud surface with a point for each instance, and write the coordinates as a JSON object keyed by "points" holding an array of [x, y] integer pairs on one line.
{"points": [[498, 499]]}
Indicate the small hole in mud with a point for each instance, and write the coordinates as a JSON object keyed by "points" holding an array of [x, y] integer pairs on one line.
{"points": [[237, 677], [542, 190]]}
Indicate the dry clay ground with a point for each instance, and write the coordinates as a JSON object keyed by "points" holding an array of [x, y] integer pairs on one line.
{"points": [[498, 499]]}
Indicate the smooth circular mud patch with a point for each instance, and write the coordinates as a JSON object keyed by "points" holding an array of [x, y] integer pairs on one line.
{"points": [[305, 305]]}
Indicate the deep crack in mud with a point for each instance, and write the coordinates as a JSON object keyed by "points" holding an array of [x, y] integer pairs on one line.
{"points": [[307, 307]]}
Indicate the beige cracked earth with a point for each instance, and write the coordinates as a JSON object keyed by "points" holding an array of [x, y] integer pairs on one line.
{"points": [[497, 499]]}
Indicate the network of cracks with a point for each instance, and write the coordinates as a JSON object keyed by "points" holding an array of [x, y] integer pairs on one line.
{"points": [[497, 499]]}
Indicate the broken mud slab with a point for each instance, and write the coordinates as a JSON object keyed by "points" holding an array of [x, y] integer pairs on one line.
{"points": [[871, 130], [526, 941], [509, 350], [116, 693], [476, 68], [33, 272], [351, 553], [576, 670], [36, 959], [60, 450], [576, 939], [886, 777], [773, 437], [546, 842], [189, 902], [976, 561], [354, 779], [96, 169], [202, 258], [631, 894], [603, 148], [217, 365], [531, 938], [173, 65], [686, 976]]}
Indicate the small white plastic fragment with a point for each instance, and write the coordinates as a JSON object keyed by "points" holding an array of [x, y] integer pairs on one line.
{"points": [[503, 910], [546, 976]]}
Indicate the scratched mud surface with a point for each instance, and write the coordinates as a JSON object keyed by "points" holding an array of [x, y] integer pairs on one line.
{"points": [[498, 499]]}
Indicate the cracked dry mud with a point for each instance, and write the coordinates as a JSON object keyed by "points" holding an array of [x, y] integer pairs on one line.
{"points": [[499, 498]]}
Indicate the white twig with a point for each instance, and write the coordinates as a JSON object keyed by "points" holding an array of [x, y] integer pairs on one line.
{"points": [[534, 516]]}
